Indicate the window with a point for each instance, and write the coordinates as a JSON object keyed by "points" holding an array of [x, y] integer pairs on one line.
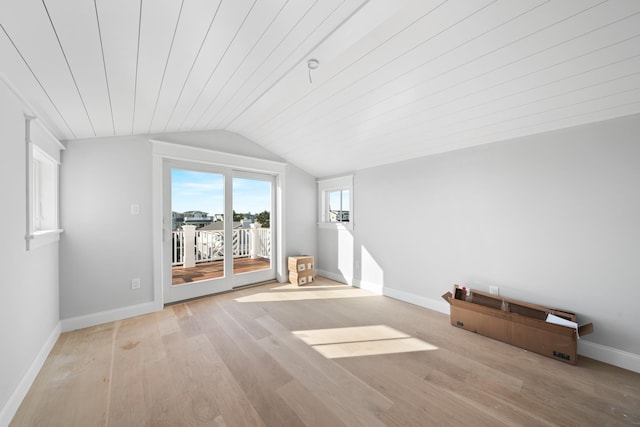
{"points": [[338, 205], [336, 202], [42, 151], [45, 191]]}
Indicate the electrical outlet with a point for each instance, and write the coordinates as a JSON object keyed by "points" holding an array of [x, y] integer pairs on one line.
{"points": [[494, 290], [135, 283]]}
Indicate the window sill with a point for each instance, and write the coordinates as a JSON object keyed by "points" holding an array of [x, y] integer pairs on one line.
{"points": [[41, 238]]}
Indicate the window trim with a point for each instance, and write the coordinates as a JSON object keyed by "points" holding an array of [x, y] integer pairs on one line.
{"points": [[325, 186], [38, 238]]}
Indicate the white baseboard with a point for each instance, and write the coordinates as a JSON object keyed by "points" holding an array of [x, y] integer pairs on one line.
{"points": [[435, 305], [337, 277], [9, 410], [610, 355], [99, 318], [376, 288], [602, 353]]}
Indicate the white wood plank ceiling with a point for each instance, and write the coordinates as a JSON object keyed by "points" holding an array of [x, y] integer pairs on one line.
{"points": [[397, 79]]}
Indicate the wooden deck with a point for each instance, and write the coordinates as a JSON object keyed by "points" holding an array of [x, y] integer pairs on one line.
{"points": [[214, 270]]}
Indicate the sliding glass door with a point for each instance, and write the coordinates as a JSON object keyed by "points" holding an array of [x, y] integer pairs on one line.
{"points": [[220, 222]]}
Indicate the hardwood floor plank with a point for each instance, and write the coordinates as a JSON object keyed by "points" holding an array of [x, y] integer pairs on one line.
{"points": [[239, 351], [348, 397], [311, 410], [241, 358]]}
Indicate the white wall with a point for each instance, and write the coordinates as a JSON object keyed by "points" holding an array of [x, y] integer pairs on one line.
{"points": [[300, 227], [104, 246], [552, 219], [29, 319]]}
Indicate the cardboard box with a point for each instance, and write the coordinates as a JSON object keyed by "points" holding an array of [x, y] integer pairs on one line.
{"points": [[300, 279], [518, 323], [301, 263]]}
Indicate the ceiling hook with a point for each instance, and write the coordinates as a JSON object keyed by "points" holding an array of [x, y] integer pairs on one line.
{"points": [[312, 64]]}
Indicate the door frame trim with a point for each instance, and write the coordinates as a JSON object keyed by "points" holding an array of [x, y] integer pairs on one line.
{"points": [[162, 150]]}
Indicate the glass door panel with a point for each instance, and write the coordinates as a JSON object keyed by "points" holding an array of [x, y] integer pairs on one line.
{"points": [[253, 227], [196, 257], [197, 226]]}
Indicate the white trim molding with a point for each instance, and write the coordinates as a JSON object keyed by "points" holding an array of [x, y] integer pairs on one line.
{"points": [[376, 288], [612, 356], [335, 277], [435, 305], [11, 407], [333, 184], [101, 317]]}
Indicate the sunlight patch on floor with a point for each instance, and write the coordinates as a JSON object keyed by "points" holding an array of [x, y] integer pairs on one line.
{"points": [[361, 341], [289, 286], [305, 295]]}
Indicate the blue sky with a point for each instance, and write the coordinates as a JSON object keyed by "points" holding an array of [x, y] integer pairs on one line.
{"points": [[191, 190]]}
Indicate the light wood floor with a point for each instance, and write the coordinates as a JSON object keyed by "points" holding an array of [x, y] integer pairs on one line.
{"points": [[325, 355]]}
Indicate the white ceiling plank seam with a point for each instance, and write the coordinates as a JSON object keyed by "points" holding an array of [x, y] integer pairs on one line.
{"points": [[240, 64], [193, 63], [377, 126], [386, 115], [104, 64], [316, 118], [418, 67], [35, 77], [297, 63], [485, 54], [218, 64], [216, 41], [487, 72], [135, 90], [342, 70], [230, 118], [166, 64], [73, 77], [260, 67]]}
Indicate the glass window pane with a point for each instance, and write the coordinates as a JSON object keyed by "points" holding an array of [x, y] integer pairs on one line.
{"points": [[345, 205], [335, 205]]}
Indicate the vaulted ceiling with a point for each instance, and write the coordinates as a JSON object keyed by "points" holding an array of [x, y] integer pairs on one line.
{"points": [[396, 79]]}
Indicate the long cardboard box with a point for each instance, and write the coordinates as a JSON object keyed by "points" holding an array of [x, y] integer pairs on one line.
{"points": [[518, 323]]}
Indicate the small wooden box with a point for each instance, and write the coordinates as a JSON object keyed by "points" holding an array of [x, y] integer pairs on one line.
{"points": [[302, 278], [301, 263]]}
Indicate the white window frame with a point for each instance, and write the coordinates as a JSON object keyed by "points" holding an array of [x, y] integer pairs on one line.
{"points": [[326, 186], [39, 154]]}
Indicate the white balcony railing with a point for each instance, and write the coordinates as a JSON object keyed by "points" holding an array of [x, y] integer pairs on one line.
{"points": [[209, 244]]}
